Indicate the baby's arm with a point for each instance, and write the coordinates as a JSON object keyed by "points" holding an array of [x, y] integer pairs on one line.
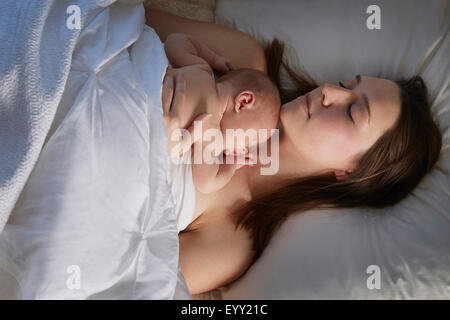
{"points": [[211, 177], [183, 50]]}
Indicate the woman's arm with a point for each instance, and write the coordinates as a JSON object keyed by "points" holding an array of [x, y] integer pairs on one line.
{"points": [[182, 50], [241, 49]]}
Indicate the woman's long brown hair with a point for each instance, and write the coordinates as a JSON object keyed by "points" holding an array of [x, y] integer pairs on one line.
{"points": [[385, 174]]}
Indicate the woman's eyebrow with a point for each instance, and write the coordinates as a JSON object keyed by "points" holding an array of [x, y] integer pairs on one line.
{"points": [[366, 101]]}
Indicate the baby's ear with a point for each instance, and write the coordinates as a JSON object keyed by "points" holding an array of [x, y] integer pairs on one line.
{"points": [[244, 100]]}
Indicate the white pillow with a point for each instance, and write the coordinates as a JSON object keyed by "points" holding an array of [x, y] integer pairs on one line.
{"points": [[325, 254]]}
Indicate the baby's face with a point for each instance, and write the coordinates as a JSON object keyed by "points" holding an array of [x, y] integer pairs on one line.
{"points": [[243, 141], [245, 129], [237, 144]]}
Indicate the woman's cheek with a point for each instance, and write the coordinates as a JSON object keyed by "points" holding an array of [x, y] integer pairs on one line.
{"points": [[318, 144], [330, 141]]}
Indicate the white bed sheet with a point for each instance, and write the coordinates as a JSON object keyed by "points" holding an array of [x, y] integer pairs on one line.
{"points": [[96, 219]]}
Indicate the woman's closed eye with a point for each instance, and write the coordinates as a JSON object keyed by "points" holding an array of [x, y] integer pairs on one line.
{"points": [[349, 108]]}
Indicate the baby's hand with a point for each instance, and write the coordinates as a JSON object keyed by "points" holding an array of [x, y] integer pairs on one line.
{"points": [[221, 64]]}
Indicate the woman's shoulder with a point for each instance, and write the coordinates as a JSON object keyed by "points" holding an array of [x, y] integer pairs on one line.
{"points": [[211, 218], [214, 253]]}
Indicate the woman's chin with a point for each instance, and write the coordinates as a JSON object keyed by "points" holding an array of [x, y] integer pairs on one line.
{"points": [[285, 114], [285, 110]]}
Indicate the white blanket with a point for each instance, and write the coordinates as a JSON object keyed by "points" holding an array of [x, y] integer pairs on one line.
{"points": [[95, 219], [36, 50]]}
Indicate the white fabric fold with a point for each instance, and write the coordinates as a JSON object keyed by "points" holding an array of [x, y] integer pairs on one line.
{"points": [[95, 219]]}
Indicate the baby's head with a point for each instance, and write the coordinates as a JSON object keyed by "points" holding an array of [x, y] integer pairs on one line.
{"points": [[252, 102]]}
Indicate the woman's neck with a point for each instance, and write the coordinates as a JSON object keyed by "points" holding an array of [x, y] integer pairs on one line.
{"points": [[290, 164]]}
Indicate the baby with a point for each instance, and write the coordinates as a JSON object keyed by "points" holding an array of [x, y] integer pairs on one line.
{"points": [[241, 99]]}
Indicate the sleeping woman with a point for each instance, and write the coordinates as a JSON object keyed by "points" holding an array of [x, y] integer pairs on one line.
{"points": [[365, 142]]}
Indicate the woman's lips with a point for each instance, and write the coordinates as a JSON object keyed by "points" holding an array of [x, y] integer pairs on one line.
{"points": [[308, 101], [305, 100]]}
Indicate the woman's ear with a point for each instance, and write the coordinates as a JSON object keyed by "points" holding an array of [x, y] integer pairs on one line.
{"points": [[341, 174], [244, 100]]}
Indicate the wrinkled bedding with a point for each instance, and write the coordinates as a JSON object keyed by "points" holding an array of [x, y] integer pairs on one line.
{"points": [[201, 10], [95, 218]]}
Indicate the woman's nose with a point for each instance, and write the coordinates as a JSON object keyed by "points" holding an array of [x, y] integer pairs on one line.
{"points": [[334, 96]]}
